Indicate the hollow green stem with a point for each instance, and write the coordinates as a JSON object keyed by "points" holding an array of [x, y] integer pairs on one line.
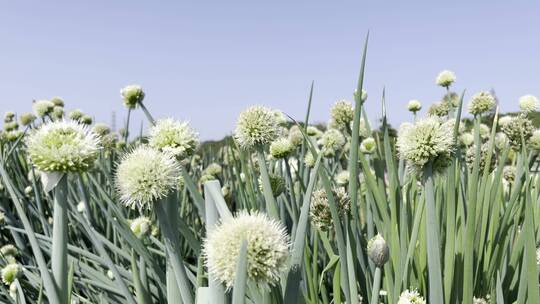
{"points": [[60, 240]]}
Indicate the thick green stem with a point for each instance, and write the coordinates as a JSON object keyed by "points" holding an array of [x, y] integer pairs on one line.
{"points": [[59, 263], [376, 286], [173, 251], [126, 134], [217, 291], [432, 232], [271, 205]]}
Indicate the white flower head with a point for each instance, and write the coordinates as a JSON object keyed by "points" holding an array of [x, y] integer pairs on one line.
{"points": [[534, 141], [81, 207], [174, 137], [411, 297], [504, 120], [445, 78], [528, 103], [281, 119], [256, 126], [10, 272], [145, 175], [296, 138], [429, 139], [368, 145], [467, 139], [281, 148], [342, 178], [342, 113], [141, 226], [42, 107], [213, 169], [414, 106], [331, 141], [63, 146], [267, 249], [319, 210], [132, 95], [481, 103], [518, 128], [27, 118]]}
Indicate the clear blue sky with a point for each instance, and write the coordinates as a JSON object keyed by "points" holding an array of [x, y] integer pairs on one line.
{"points": [[206, 61]]}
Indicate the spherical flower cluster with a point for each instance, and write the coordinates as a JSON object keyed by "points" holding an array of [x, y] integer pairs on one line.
{"points": [[174, 137], [518, 127], [470, 157], [342, 178], [445, 78], [501, 141], [257, 126], [57, 113], [11, 126], [309, 160], [452, 99], [481, 103], [411, 297], [467, 139], [27, 118], [213, 169], [145, 175], [534, 141], [101, 129], [319, 210], [484, 131], [9, 253], [414, 106], [296, 138], [42, 107], [206, 177], [368, 145], [504, 120], [378, 251], [528, 103], [509, 173], [480, 300], [86, 119], [281, 119], [63, 146], [141, 226], [267, 249], [313, 131], [81, 207], [281, 148], [57, 101], [76, 114], [132, 95], [342, 113], [428, 140], [439, 109], [331, 141], [10, 272], [8, 116], [277, 183]]}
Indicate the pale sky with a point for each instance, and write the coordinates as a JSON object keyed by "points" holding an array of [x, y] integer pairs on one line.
{"points": [[206, 61]]}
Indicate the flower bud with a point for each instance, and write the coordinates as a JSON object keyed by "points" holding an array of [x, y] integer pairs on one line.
{"points": [[378, 251]]}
